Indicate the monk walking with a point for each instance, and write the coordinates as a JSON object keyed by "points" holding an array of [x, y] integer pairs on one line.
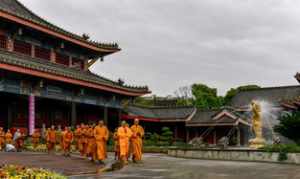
{"points": [[2, 138], [101, 134], [19, 140], [81, 140], [35, 138], [51, 139], [91, 144], [137, 141], [124, 134], [67, 141], [8, 137], [77, 136], [116, 145]]}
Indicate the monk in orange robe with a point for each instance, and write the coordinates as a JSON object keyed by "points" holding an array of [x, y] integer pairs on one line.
{"points": [[124, 135], [67, 141], [116, 145], [19, 138], [137, 141], [101, 134], [81, 140], [77, 136], [51, 139], [8, 137], [59, 139], [2, 138], [91, 144], [35, 139]]}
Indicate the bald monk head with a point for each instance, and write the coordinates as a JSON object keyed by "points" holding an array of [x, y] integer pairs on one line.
{"points": [[124, 124], [136, 121], [52, 127], [101, 123]]}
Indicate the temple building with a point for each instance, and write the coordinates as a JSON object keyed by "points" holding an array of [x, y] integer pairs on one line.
{"points": [[45, 76], [232, 121]]}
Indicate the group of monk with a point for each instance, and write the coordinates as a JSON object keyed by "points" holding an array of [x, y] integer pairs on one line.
{"points": [[90, 140], [8, 138]]}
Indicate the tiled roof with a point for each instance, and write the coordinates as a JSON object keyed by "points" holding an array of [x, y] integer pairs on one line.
{"points": [[208, 117], [61, 70], [16, 8], [162, 113], [272, 95]]}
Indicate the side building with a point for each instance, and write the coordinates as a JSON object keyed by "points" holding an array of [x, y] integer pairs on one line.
{"points": [[232, 121], [45, 76]]}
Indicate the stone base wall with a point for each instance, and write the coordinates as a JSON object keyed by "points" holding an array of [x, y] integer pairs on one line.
{"points": [[237, 155]]}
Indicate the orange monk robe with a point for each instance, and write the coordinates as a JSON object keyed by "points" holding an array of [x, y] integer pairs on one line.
{"points": [[137, 141], [91, 144], [77, 137], [83, 141], [101, 134], [59, 139], [67, 139], [8, 137], [2, 138], [116, 145], [51, 139], [124, 134], [35, 139]]}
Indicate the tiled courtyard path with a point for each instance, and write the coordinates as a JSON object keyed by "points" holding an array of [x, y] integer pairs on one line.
{"points": [[67, 166], [158, 166]]}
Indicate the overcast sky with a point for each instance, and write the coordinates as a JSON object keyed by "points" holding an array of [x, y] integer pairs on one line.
{"points": [[171, 43]]}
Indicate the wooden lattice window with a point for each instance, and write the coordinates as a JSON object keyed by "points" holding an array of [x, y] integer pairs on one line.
{"points": [[3, 41], [78, 63], [42, 53], [22, 47], [62, 59]]}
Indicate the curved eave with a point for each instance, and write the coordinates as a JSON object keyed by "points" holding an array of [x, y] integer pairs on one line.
{"points": [[54, 33], [127, 92]]}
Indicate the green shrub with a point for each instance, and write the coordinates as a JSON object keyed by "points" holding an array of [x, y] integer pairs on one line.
{"points": [[288, 148], [282, 156], [167, 135], [289, 126]]}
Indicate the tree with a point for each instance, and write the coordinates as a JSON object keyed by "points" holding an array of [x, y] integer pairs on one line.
{"points": [[289, 126], [206, 97], [233, 91], [141, 101]]}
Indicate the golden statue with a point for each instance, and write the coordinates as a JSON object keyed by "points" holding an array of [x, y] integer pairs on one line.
{"points": [[258, 141]]}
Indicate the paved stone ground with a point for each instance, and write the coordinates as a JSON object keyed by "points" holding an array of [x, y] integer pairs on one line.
{"points": [[157, 166], [74, 165]]}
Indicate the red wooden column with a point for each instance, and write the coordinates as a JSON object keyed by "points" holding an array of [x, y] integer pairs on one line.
{"points": [[31, 121]]}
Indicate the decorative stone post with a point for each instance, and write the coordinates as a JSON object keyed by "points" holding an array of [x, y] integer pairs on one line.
{"points": [[31, 114]]}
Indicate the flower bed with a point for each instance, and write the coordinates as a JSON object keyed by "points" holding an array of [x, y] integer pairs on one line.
{"points": [[21, 172]]}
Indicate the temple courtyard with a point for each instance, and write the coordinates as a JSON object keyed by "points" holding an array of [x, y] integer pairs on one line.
{"points": [[156, 166]]}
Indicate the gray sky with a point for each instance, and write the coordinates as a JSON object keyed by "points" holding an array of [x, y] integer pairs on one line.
{"points": [[171, 43]]}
